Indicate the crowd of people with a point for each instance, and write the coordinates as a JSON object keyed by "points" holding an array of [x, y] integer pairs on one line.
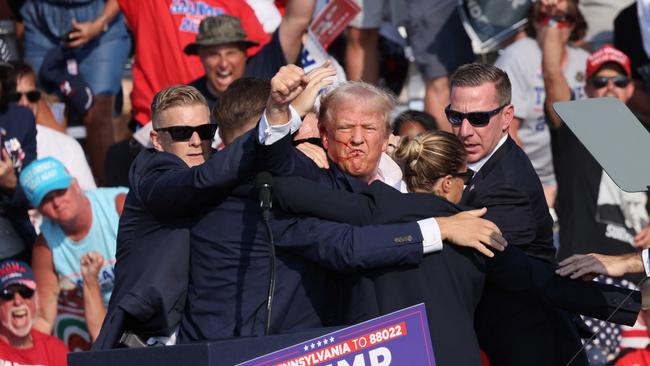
{"points": [[484, 206]]}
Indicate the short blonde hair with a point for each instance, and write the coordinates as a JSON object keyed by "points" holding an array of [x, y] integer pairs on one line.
{"points": [[174, 96], [429, 156]]}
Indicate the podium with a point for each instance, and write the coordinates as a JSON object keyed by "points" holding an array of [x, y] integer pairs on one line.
{"points": [[218, 353]]}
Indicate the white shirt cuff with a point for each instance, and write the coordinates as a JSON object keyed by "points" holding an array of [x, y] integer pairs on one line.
{"points": [[268, 135], [431, 238], [646, 263]]}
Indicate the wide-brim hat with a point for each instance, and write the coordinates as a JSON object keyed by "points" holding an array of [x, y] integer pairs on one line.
{"points": [[219, 30]]}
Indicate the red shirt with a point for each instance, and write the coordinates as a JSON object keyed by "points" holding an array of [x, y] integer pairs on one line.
{"points": [[162, 29], [47, 350], [639, 357]]}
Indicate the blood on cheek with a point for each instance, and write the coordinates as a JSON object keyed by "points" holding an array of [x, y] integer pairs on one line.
{"points": [[344, 152]]}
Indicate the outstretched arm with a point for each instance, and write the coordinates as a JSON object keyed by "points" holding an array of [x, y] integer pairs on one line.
{"points": [[381, 204], [587, 266]]}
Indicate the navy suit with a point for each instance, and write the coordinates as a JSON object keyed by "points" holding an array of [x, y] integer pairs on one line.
{"points": [[152, 259], [515, 329], [229, 261], [449, 282]]}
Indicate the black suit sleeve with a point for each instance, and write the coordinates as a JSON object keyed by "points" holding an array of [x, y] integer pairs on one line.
{"points": [[170, 188], [378, 204], [346, 248]]}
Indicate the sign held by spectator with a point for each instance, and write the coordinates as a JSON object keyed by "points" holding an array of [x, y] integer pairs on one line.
{"points": [[333, 19]]}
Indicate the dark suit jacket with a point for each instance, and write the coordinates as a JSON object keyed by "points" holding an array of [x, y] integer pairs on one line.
{"points": [[152, 259], [450, 298], [446, 282], [512, 327], [229, 255]]}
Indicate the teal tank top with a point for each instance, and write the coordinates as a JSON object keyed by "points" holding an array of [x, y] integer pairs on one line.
{"points": [[102, 238]]}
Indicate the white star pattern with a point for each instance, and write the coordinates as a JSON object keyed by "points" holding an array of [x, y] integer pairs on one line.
{"points": [[312, 346], [325, 341], [606, 343], [331, 339], [306, 348], [319, 343]]}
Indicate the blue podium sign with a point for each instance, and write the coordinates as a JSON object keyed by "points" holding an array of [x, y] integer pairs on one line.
{"points": [[399, 338]]}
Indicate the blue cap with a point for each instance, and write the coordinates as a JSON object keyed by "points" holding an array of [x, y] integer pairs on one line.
{"points": [[43, 176], [13, 272]]}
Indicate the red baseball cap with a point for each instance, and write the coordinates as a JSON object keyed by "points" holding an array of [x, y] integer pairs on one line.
{"points": [[607, 54]]}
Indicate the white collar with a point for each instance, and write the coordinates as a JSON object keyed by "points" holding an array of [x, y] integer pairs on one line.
{"points": [[390, 173], [476, 166]]}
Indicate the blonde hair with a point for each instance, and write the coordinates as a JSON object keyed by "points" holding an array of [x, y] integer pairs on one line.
{"points": [[429, 156], [174, 96]]}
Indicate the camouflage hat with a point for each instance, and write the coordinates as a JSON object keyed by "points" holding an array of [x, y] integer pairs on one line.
{"points": [[214, 31]]}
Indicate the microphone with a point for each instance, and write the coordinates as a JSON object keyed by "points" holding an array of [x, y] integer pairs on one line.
{"points": [[263, 182]]}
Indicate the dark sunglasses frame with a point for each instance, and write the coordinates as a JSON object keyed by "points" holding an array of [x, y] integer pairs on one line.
{"points": [[184, 133], [476, 119], [7, 294], [33, 96], [466, 176], [600, 82]]}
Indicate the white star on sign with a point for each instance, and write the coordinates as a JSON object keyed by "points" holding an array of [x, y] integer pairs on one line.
{"points": [[306, 348], [313, 346], [319, 343], [331, 339], [325, 341]]}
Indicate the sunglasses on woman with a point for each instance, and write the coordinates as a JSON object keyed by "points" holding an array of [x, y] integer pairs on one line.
{"points": [[33, 96], [466, 176], [7, 294], [184, 133], [476, 119], [561, 20], [620, 81]]}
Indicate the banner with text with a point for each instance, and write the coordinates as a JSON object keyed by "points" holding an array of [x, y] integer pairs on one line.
{"points": [[399, 338]]}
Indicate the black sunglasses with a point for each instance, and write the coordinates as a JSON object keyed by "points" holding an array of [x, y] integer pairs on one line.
{"points": [[7, 294], [33, 96], [466, 176], [476, 119], [184, 133], [620, 81]]}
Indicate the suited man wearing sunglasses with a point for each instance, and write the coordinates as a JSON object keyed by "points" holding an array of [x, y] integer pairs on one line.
{"points": [[149, 293], [20, 344], [511, 327]]}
